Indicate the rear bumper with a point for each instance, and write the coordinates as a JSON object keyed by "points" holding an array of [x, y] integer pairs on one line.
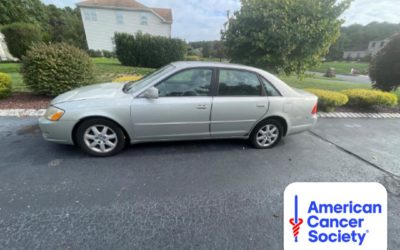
{"points": [[59, 131], [312, 121]]}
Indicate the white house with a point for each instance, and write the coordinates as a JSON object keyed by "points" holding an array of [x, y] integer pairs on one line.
{"points": [[373, 48], [103, 18], [5, 55]]}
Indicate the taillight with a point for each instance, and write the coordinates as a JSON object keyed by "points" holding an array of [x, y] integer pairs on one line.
{"points": [[315, 109]]}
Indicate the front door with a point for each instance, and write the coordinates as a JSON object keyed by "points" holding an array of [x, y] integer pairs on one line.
{"points": [[181, 111], [239, 103]]}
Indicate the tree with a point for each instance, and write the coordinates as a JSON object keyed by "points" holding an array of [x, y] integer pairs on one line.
{"points": [[357, 37], [20, 36], [26, 11], [384, 69], [287, 36], [65, 25]]}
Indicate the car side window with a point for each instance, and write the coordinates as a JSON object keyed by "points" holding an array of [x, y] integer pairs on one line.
{"points": [[191, 82], [269, 89], [238, 83]]}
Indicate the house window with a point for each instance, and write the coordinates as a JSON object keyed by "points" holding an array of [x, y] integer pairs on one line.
{"points": [[144, 19], [119, 17], [382, 44], [90, 15], [373, 45]]}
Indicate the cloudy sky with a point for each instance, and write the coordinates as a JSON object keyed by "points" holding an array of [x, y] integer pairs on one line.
{"points": [[202, 20]]}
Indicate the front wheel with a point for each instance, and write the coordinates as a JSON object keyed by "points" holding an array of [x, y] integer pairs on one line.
{"points": [[100, 137], [267, 134]]}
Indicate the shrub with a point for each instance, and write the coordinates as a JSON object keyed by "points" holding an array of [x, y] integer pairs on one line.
{"points": [[368, 98], [20, 36], [5, 85], [108, 54], [329, 100], [95, 53], [56, 68], [193, 58], [128, 78], [144, 50], [385, 66]]}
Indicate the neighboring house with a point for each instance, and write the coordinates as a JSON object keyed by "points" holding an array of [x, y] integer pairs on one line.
{"points": [[373, 48], [103, 18], [4, 53]]}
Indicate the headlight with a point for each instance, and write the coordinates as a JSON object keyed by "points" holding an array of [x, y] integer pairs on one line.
{"points": [[54, 113]]}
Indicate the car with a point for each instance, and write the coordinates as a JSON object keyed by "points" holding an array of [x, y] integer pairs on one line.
{"points": [[181, 101]]}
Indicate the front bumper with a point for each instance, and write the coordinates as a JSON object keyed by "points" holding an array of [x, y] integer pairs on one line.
{"points": [[59, 131]]}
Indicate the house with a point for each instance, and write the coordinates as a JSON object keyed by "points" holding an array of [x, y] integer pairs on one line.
{"points": [[103, 18], [5, 55], [373, 48]]}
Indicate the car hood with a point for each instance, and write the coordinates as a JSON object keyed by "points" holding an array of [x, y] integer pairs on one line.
{"points": [[96, 91]]}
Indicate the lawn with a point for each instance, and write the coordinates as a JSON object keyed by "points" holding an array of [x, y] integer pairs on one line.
{"points": [[105, 71], [342, 67], [108, 69]]}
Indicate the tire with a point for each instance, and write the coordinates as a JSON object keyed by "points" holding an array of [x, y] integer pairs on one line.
{"points": [[100, 137], [269, 131]]}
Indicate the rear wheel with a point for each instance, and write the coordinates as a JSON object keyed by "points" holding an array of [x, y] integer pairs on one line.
{"points": [[100, 137], [267, 134]]}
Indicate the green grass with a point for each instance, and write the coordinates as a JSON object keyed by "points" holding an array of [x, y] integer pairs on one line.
{"points": [[342, 67], [322, 83], [105, 69]]}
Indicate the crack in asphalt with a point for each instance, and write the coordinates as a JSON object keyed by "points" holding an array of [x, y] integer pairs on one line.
{"points": [[356, 156]]}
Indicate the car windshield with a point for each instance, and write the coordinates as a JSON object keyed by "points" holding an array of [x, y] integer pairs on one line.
{"points": [[134, 86]]}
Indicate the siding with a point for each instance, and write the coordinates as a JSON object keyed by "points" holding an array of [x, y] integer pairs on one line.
{"points": [[100, 33]]}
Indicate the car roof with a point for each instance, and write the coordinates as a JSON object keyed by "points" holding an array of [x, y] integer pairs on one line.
{"points": [[190, 64]]}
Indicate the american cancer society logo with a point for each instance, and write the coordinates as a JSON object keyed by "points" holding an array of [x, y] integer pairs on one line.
{"points": [[343, 216]]}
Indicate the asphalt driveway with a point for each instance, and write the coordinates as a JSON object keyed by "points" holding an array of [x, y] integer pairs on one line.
{"points": [[207, 194]]}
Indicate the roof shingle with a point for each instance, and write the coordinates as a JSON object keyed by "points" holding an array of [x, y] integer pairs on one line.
{"points": [[166, 14]]}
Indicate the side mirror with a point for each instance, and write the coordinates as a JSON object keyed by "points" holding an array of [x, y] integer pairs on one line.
{"points": [[151, 93]]}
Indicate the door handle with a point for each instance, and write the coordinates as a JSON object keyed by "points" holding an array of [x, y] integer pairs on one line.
{"points": [[201, 106], [260, 105]]}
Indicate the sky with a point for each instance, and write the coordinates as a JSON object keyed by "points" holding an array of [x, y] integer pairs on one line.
{"points": [[196, 20]]}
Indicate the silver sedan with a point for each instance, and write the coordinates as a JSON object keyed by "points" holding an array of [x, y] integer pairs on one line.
{"points": [[181, 101]]}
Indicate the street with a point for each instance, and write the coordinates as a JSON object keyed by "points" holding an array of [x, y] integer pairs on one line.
{"points": [[200, 194]]}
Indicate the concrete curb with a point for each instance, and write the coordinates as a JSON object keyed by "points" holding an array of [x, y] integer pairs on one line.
{"points": [[359, 115], [22, 112], [40, 112]]}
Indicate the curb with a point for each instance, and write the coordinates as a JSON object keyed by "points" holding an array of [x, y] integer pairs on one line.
{"points": [[40, 112], [359, 115], [22, 112]]}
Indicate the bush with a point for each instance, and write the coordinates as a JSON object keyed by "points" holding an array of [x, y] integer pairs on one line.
{"points": [[128, 78], [143, 50], [95, 53], [5, 85], [329, 100], [20, 36], [368, 98], [56, 68], [108, 54], [384, 69], [193, 58]]}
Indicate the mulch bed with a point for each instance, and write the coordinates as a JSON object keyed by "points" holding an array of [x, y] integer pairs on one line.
{"points": [[25, 101]]}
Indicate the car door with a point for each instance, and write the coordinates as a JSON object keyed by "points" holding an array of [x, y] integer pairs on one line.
{"points": [[239, 103], [182, 109]]}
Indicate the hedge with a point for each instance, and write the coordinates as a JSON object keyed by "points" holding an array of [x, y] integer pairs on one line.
{"points": [[368, 98], [56, 68], [143, 50], [20, 36], [5, 85], [128, 78], [329, 100]]}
